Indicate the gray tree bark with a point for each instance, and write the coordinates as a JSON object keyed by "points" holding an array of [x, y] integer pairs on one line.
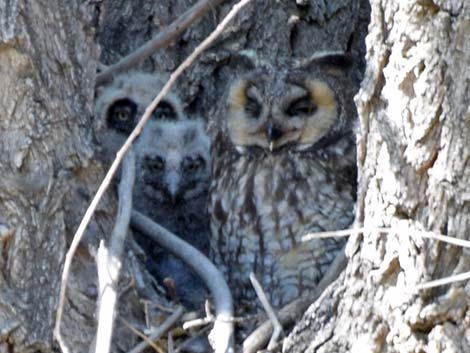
{"points": [[48, 61], [413, 156]]}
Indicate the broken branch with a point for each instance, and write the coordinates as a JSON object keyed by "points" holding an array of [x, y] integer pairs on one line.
{"points": [[222, 333], [109, 260]]}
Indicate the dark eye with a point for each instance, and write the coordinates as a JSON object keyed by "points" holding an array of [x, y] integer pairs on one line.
{"points": [[164, 111], [121, 115], [155, 164], [302, 106], [192, 165], [252, 107]]}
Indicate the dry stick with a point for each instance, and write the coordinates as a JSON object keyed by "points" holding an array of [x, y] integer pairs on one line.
{"points": [[120, 154], [423, 234], [269, 310], [171, 345], [411, 232], [291, 312], [141, 335], [160, 330], [109, 260], [443, 281], [221, 336], [161, 40]]}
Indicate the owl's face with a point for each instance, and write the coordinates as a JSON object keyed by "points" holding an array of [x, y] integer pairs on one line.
{"points": [[174, 161], [120, 104], [293, 108]]}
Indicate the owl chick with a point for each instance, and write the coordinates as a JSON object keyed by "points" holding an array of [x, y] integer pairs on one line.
{"points": [[283, 165], [172, 182], [172, 171], [120, 104]]}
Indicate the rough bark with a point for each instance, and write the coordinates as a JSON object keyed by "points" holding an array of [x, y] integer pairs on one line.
{"points": [[48, 61], [413, 156]]}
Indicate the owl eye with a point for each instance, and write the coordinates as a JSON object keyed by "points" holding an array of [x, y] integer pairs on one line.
{"points": [[164, 111], [302, 106], [121, 115], [252, 108], [155, 164], [192, 165]]}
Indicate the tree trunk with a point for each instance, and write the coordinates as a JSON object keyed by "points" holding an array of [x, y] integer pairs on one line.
{"points": [[414, 165]]}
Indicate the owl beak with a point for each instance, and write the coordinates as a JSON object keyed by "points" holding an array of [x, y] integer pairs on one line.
{"points": [[172, 181], [273, 133]]}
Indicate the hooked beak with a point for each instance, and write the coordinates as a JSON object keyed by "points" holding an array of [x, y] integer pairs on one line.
{"points": [[172, 184], [273, 133]]}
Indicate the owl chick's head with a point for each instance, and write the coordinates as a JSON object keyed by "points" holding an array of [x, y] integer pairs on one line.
{"points": [[295, 107], [121, 103], [174, 160]]}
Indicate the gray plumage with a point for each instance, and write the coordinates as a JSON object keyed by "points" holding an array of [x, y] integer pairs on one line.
{"points": [[283, 165], [172, 170], [172, 181]]}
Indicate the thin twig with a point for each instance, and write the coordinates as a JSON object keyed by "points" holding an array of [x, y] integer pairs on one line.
{"points": [[269, 310], [291, 312], [198, 322], [161, 40], [120, 154], [405, 231], [222, 333], [109, 260], [443, 281], [143, 336], [160, 330], [171, 345], [391, 230]]}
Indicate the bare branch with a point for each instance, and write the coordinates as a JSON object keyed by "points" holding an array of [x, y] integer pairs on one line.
{"points": [[222, 333], [291, 312], [161, 40], [160, 330], [120, 154], [109, 260], [408, 231], [443, 281], [143, 336], [269, 310]]}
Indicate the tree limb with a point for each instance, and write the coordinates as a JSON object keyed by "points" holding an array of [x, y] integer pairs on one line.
{"points": [[161, 40], [109, 260], [221, 336]]}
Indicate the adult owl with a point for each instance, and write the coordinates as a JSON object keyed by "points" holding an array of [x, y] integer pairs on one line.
{"points": [[283, 165]]}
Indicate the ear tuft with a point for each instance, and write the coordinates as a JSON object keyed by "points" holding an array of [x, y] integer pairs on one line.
{"points": [[333, 60], [246, 59]]}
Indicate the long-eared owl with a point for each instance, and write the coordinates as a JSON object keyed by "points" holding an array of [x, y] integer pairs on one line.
{"points": [[283, 165]]}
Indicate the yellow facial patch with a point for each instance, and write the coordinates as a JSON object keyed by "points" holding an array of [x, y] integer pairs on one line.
{"points": [[320, 123], [322, 95], [237, 96]]}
